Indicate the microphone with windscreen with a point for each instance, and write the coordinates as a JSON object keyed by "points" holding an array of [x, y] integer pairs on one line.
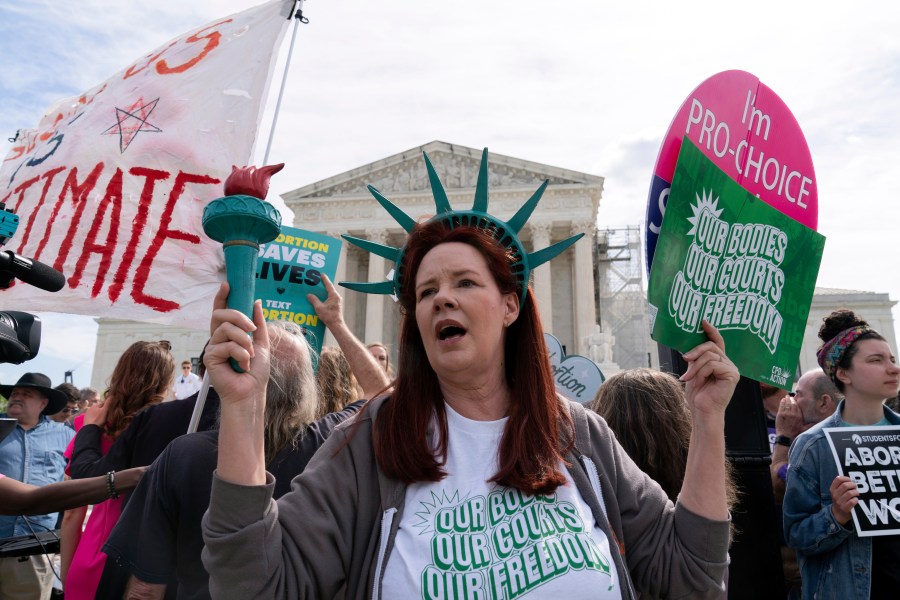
{"points": [[33, 272]]}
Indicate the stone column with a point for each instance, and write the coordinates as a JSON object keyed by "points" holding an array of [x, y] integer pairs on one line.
{"points": [[341, 272], [375, 302], [339, 275], [543, 289], [354, 302], [583, 272]]}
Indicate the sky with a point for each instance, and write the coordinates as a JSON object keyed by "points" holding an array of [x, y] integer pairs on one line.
{"points": [[584, 85]]}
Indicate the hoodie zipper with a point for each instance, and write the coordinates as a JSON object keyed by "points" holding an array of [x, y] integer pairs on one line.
{"points": [[594, 477], [592, 474], [387, 519]]}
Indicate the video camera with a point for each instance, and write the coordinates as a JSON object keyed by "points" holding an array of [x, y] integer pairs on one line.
{"points": [[20, 336], [20, 332], [20, 340]]}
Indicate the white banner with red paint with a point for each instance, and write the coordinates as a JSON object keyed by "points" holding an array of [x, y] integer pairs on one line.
{"points": [[110, 188]]}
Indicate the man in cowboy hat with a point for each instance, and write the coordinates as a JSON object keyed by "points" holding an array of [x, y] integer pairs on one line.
{"points": [[32, 453]]}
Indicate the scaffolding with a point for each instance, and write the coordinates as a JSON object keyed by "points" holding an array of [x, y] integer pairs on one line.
{"points": [[621, 300]]}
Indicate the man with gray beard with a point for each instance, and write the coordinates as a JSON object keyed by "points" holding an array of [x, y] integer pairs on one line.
{"points": [[158, 537], [815, 398]]}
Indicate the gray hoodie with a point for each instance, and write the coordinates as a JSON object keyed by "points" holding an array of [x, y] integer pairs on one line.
{"points": [[333, 533]]}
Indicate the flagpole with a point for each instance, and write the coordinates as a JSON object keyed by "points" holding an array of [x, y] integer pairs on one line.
{"points": [[298, 18], [201, 402]]}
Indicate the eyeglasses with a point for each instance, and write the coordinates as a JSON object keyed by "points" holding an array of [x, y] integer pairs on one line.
{"points": [[70, 409], [165, 344]]}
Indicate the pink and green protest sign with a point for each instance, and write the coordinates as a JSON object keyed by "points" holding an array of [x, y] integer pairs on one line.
{"points": [[727, 257], [743, 127]]}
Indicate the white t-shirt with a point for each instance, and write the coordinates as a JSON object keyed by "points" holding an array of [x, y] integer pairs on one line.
{"points": [[466, 538], [187, 385]]}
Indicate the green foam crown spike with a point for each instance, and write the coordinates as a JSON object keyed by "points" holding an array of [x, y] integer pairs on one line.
{"points": [[506, 233]]}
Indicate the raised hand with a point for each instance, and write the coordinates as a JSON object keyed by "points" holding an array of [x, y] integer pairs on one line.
{"points": [[789, 420], [710, 380], [331, 311], [242, 396], [710, 377], [229, 338], [96, 414]]}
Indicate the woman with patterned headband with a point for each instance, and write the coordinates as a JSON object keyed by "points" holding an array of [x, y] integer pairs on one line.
{"points": [[834, 561], [472, 478]]}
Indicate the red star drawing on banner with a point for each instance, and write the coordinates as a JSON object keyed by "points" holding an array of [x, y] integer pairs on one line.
{"points": [[131, 121]]}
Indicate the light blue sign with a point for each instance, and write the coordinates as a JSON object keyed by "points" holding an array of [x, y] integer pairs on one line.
{"points": [[577, 377]]}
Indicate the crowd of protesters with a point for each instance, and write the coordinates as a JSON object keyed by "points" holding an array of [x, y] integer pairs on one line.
{"points": [[154, 549], [263, 501]]}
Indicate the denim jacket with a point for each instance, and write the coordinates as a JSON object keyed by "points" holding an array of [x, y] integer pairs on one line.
{"points": [[834, 561], [34, 456]]}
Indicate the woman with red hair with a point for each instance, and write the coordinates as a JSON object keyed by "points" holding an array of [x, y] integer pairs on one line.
{"points": [[472, 478]]}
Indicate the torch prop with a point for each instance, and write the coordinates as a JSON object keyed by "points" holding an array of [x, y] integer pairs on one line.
{"points": [[241, 221]]}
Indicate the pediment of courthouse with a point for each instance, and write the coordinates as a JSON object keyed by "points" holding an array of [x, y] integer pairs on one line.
{"points": [[458, 166], [343, 203]]}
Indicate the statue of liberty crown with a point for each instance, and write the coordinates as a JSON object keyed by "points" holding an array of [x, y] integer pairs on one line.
{"points": [[506, 233]]}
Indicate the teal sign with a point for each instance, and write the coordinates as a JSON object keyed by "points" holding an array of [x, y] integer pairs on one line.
{"points": [[289, 268]]}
